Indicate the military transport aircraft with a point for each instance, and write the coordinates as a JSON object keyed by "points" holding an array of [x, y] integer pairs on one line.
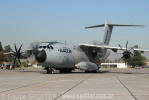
{"points": [[87, 57]]}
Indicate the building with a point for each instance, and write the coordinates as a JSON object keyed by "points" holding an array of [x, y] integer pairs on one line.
{"points": [[114, 65], [147, 63]]}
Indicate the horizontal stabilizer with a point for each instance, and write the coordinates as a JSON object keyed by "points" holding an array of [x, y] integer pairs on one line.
{"points": [[102, 25]]}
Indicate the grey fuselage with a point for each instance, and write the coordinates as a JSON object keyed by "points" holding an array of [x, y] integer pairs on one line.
{"points": [[62, 56], [68, 56]]}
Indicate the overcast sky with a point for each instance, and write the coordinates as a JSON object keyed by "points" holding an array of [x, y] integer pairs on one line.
{"points": [[25, 21]]}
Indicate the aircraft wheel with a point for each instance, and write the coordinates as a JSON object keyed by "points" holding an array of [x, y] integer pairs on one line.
{"points": [[49, 70], [65, 70], [95, 71], [69, 71]]}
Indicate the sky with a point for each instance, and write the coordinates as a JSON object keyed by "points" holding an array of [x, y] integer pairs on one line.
{"points": [[26, 21]]}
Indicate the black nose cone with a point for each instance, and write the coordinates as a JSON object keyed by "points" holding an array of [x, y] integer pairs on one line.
{"points": [[41, 56]]}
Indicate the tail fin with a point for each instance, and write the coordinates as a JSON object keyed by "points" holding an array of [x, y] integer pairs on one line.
{"points": [[108, 30]]}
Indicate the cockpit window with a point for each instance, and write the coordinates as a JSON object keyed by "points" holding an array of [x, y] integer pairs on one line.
{"points": [[43, 47], [48, 47]]}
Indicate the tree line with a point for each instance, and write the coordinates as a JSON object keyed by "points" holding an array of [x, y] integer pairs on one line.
{"points": [[136, 60], [6, 49]]}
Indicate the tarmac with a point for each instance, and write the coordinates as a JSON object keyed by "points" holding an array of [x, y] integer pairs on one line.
{"points": [[108, 84]]}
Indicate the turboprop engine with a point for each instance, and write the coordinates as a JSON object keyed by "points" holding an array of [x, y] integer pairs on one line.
{"points": [[129, 52]]}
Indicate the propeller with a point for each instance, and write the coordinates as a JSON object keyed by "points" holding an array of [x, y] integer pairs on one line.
{"points": [[34, 47], [17, 54], [128, 53], [38, 53]]}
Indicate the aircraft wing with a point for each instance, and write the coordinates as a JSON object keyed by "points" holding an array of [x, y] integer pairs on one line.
{"points": [[115, 49], [12, 52], [8, 53]]}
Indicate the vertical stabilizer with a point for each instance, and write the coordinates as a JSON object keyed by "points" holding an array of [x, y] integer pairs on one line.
{"points": [[108, 30], [107, 33]]}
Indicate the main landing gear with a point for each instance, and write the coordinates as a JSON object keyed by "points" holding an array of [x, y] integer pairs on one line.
{"points": [[65, 70], [49, 70]]}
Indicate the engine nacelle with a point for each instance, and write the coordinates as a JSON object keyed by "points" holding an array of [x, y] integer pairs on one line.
{"points": [[96, 54], [87, 66], [127, 54]]}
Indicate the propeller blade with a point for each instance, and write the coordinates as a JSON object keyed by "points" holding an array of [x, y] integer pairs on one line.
{"points": [[19, 61], [14, 60], [133, 47], [126, 45], [131, 54], [15, 48], [120, 46], [20, 48], [13, 51]]}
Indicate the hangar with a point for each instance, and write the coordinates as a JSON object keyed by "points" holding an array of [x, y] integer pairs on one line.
{"points": [[114, 65]]}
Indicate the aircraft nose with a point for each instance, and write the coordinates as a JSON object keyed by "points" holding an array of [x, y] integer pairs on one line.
{"points": [[41, 56]]}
